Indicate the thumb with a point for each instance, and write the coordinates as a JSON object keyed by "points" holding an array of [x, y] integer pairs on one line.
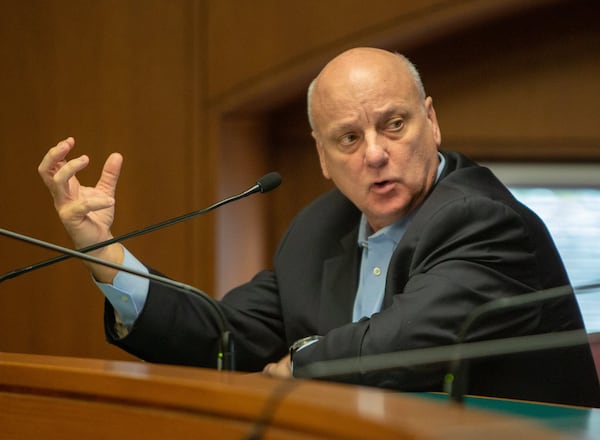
{"points": [[110, 174]]}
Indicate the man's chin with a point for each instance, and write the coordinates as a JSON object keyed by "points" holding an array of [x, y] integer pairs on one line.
{"points": [[381, 219]]}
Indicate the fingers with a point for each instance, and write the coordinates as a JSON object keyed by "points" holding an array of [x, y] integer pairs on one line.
{"points": [[280, 369], [64, 185], [59, 176], [80, 207], [110, 174], [54, 160], [57, 173]]}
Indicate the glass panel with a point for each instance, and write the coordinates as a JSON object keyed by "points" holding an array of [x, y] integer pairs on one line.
{"points": [[573, 217]]}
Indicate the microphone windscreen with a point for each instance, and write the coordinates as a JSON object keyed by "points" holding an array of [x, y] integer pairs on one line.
{"points": [[269, 181]]}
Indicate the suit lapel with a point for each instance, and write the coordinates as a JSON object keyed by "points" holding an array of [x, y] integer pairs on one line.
{"points": [[340, 280], [399, 268]]}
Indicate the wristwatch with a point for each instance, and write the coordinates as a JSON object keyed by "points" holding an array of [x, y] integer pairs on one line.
{"points": [[300, 344]]}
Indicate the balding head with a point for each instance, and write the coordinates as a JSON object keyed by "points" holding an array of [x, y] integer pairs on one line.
{"points": [[357, 62]]}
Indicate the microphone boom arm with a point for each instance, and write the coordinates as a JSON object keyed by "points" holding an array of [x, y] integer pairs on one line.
{"points": [[264, 184], [456, 380], [225, 358]]}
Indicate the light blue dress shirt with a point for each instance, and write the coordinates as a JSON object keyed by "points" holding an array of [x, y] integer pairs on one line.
{"points": [[128, 292], [377, 250]]}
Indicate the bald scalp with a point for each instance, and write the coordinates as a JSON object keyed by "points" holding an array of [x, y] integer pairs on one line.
{"points": [[355, 62]]}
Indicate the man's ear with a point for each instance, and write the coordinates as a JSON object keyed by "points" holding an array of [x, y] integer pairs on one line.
{"points": [[437, 133], [321, 153]]}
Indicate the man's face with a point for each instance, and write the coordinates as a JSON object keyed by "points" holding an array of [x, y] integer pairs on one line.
{"points": [[376, 137]]}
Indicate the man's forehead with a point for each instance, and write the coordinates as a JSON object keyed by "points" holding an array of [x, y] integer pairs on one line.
{"points": [[364, 83]]}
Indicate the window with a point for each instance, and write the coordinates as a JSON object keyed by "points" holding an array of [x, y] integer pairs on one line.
{"points": [[567, 198]]}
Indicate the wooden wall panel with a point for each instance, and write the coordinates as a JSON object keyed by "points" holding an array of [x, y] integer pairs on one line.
{"points": [[524, 87], [242, 148], [252, 41], [263, 52], [118, 76]]}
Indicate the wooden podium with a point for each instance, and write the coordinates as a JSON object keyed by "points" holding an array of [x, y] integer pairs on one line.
{"points": [[48, 397]]}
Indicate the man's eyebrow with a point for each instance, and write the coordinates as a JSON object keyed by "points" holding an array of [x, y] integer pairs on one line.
{"points": [[349, 124], [342, 126], [398, 109]]}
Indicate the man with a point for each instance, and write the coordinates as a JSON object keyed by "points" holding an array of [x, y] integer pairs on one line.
{"points": [[410, 242]]}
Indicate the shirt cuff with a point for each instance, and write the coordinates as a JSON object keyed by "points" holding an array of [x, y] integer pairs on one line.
{"points": [[127, 294]]}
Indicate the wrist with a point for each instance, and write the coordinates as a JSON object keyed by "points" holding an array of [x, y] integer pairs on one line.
{"points": [[301, 344], [114, 254]]}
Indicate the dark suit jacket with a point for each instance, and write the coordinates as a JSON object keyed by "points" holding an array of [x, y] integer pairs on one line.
{"points": [[469, 243]]}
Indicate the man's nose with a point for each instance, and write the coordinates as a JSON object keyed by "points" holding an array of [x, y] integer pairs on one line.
{"points": [[376, 152]]}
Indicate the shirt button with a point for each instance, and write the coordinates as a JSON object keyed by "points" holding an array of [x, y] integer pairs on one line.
{"points": [[376, 271], [124, 298]]}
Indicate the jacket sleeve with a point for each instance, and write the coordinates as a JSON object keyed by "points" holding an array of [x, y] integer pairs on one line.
{"points": [[177, 327]]}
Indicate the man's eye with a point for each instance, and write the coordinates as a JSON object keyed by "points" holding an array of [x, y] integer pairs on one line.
{"points": [[396, 124], [348, 139]]}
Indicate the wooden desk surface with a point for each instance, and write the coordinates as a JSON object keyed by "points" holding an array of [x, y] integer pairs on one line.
{"points": [[66, 398]]}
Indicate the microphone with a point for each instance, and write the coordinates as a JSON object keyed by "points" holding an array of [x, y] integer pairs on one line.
{"points": [[457, 354], [265, 184], [225, 356], [455, 382], [431, 355]]}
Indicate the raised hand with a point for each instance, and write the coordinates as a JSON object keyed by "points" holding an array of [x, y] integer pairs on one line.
{"points": [[86, 212]]}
